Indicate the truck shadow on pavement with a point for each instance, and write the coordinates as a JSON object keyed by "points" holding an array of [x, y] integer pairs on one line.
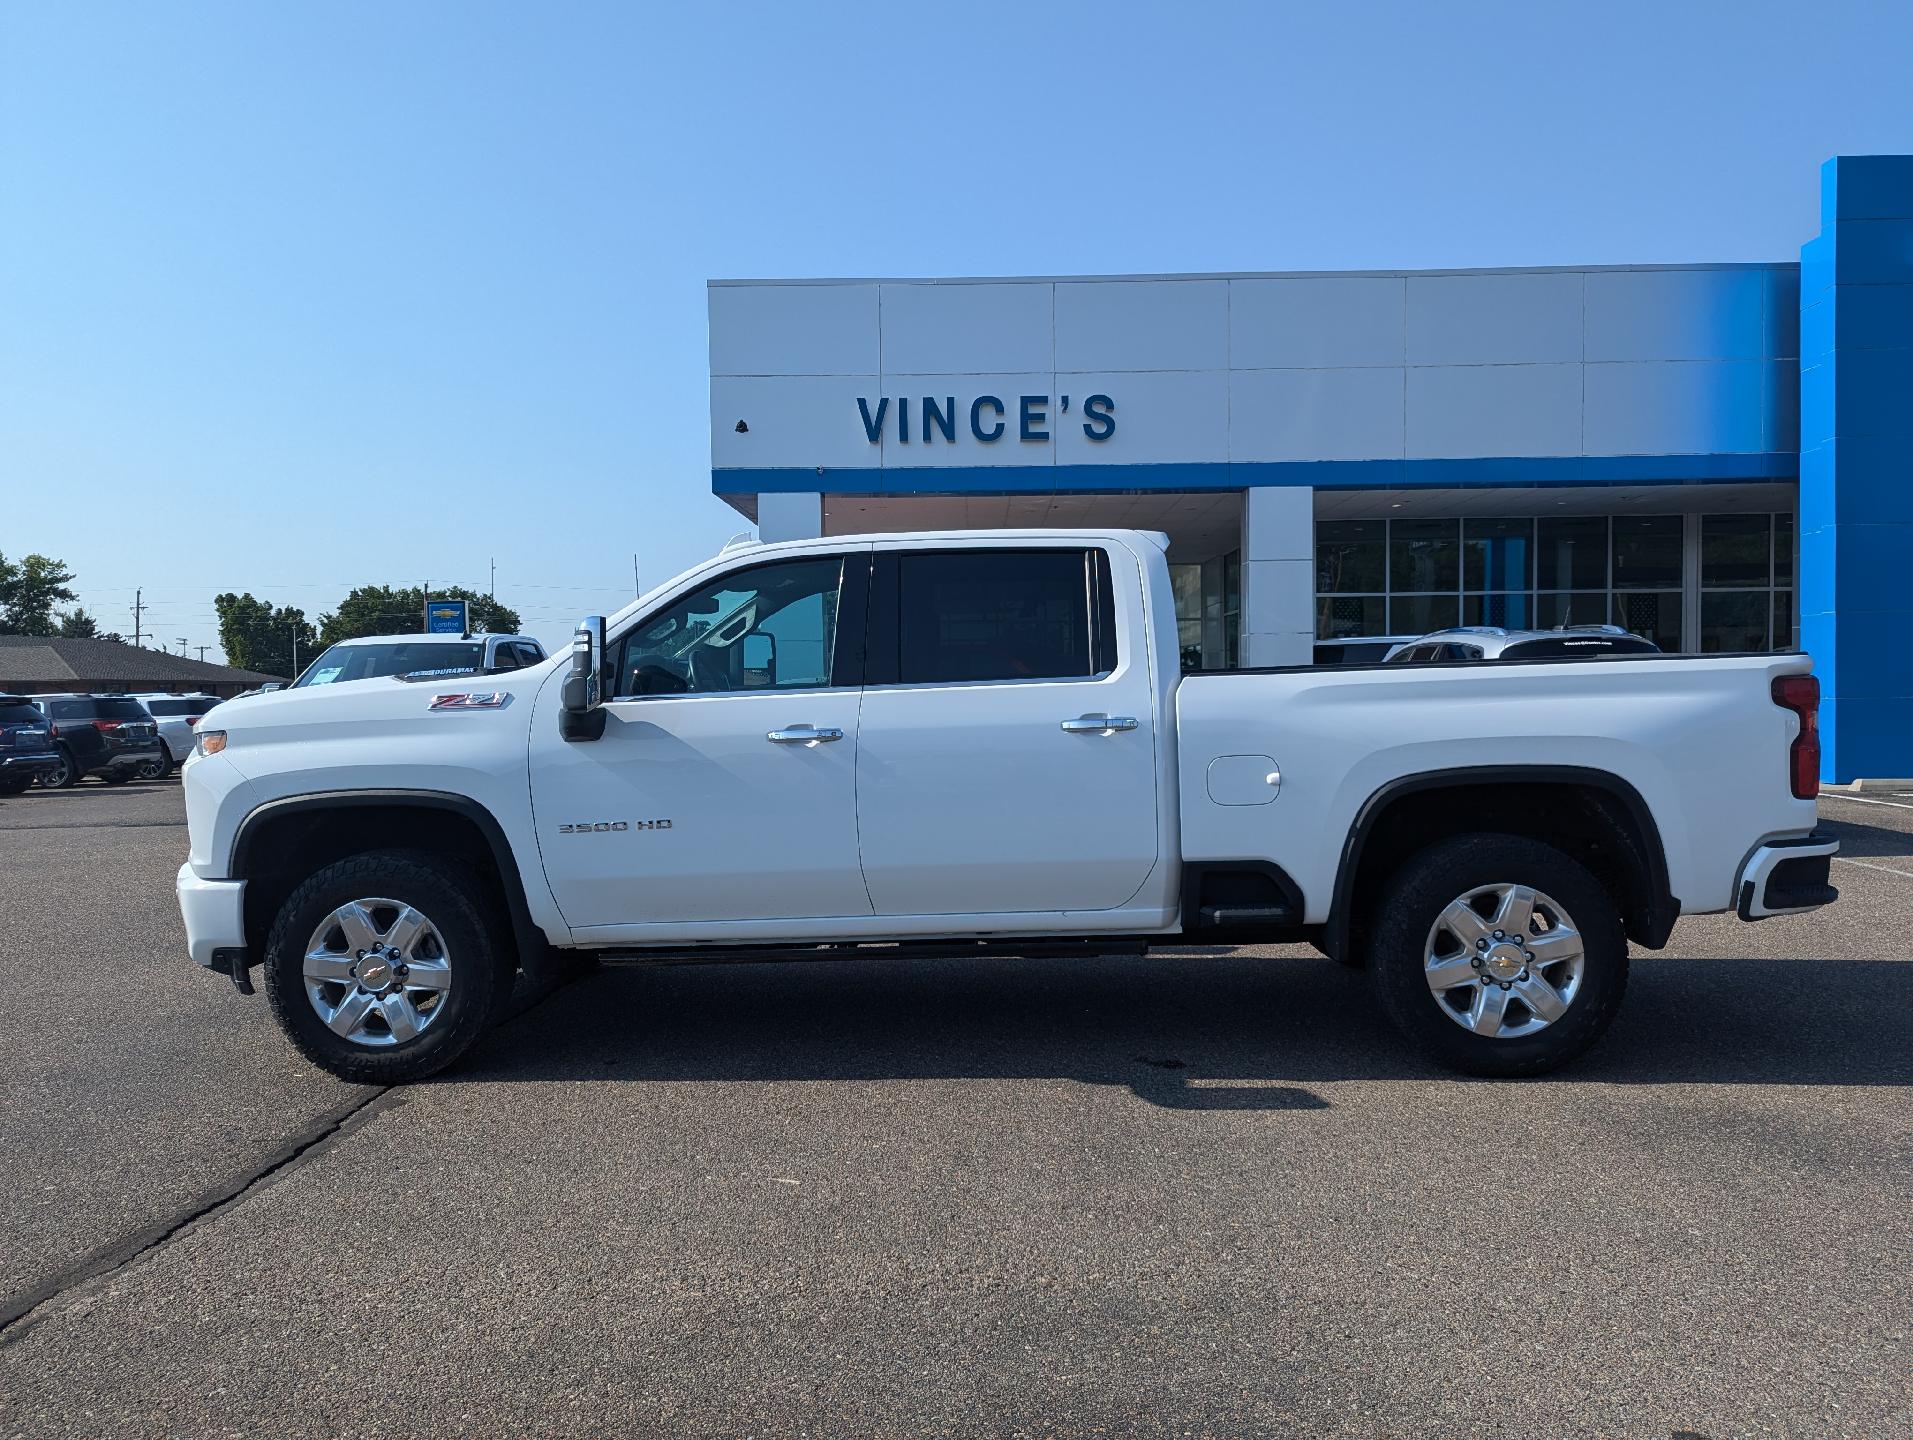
{"points": [[1186, 1031]]}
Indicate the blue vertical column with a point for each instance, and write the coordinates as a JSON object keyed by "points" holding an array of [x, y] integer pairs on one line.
{"points": [[1856, 464]]}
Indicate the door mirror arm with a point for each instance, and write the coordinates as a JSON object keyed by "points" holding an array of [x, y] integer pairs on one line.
{"points": [[581, 703]]}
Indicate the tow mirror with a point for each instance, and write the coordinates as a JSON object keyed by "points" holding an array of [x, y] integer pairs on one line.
{"points": [[760, 660], [581, 712]]}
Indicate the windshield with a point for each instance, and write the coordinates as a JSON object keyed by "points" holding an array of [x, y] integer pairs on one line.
{"points": [[401, 657], [192, 705]]}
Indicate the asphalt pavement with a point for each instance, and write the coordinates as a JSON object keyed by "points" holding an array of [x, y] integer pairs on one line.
{"points": [[1202, 1194]]}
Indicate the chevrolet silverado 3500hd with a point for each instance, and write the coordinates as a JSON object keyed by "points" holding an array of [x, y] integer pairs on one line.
{"points": [[980, 741]]}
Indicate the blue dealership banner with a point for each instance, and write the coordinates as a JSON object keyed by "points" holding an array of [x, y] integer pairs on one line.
{"points": [[445, 617]]}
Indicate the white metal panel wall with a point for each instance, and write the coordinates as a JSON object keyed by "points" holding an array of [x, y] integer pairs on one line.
{"points": [[1264, 368]]}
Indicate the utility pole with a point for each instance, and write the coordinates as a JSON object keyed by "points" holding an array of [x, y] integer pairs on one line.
{"points": [[138, 607], [425, 607], [494, 585], [202, 649], [295, 652], [182, 644], [636, 588]]}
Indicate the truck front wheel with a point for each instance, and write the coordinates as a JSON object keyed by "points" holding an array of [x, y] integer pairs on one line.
{"points": [[385, 967], [1497, 955]]}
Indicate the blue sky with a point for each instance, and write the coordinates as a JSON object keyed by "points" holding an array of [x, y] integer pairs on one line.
{"points": [[294, 298]]}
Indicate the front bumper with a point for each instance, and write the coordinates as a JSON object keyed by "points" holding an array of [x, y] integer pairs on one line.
{"points": [[1787, 877], [215, 916]]}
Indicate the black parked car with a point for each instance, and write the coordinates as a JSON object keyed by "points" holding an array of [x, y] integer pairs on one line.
{"points": [[26, 745], [110, 736]]}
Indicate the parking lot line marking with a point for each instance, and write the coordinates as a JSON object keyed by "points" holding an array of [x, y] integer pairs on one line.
{"points": [[1883, 869], [1862, 800]]}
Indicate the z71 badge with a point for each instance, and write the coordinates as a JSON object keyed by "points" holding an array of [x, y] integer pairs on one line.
{"points": [[607, 827]]}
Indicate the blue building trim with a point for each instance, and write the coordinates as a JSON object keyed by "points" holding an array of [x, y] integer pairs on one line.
{"points": [[1856, 464], [1321, 474]]}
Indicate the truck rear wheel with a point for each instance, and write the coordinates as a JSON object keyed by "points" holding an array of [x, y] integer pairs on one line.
{"points": [[386, 967], [1497, 955]]}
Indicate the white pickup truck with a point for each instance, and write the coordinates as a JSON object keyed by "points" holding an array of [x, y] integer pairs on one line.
{"points": [[980, 742]]}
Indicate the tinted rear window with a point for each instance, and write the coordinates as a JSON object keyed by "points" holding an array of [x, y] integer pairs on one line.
{"points": [[1559, 647], [119, 710], [966, 615], [189, 706], [71, 709], [18, 712]]}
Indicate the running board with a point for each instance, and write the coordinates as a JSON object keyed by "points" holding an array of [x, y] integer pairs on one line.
{"points": [[1088, 948]]}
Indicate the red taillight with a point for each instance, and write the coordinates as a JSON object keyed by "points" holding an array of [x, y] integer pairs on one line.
{"points": [[104, 725], [1801, 694]]}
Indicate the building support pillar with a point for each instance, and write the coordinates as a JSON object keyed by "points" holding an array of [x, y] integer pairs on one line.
{"points": [[790, 517], [1278, 575], [1856, 464]]}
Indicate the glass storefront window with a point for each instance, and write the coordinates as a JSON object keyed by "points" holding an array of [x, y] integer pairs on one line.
{"points": [[1572, 553], [1351, 556], [1513, 611], [1185, 582], [1497, 555], [1647, 551], [1657, 615], [1418, 614], [1559, 609], [1424, 555], [1735, 550], [1340, 616], [1734, 620], [1734, 589]]}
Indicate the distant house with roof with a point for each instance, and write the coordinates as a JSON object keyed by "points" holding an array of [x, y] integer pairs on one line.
{"points": [[49, 664]]}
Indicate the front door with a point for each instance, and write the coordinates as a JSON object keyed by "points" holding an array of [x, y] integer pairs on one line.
{"points": [[1007, 758], [724, 785]]}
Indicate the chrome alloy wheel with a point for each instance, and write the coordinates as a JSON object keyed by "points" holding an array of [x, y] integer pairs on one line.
{"points": [[377, 972], [1504, 960]]}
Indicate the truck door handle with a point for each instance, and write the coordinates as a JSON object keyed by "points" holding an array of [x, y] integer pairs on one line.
{"points": [[803, 735], [1098, 724]]}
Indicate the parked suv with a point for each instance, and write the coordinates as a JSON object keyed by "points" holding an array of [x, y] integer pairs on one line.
{"points": [[110, 736], [1493, 642], [26, 748], [371, 656], [175, 715]]}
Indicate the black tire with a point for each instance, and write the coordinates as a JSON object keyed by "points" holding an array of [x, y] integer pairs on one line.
{"points": [[1406, 913], [119, 776], [67, 776], [481, 957], [14, 784], [158, 768]]}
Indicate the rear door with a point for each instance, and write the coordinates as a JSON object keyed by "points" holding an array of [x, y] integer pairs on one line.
{"points": [[1007, 751]]}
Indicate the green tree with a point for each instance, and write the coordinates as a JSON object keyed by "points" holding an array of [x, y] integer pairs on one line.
{"points": [[388, 610], [28, 592], [76, 624], [257, 636]]}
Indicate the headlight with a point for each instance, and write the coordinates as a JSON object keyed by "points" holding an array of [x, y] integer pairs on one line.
{"points": [[208, 742]]}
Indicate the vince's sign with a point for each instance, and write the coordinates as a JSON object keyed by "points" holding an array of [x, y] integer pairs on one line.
{"points": [[926, 421]]}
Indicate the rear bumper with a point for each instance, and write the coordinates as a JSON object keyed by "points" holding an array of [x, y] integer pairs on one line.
{"points": [[215, 916], [38, 763], [1786, 877]]}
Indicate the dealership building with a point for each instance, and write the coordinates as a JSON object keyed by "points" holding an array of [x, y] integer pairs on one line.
{"points": [[1711, 455]]}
